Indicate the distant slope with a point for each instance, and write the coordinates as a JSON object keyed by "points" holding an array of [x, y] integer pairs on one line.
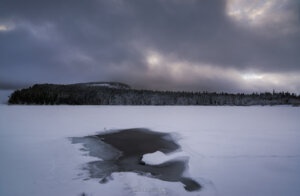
{"points": [[111, 93], [4, 95]]}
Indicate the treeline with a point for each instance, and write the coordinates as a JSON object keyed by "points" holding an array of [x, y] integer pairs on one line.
{"points": [[87, 94]]}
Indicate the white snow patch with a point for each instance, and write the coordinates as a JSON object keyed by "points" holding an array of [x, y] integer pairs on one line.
{"points": [[104, 84], [158, 157]]}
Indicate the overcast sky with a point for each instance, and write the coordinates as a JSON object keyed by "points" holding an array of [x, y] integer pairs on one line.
{"points": [[211, 45]]}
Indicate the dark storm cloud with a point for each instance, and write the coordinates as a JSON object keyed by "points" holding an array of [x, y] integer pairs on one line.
{"points": [[97, 40]]}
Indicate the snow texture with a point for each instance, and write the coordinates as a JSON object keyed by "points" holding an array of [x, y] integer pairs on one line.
{"points": [[232, 151]]}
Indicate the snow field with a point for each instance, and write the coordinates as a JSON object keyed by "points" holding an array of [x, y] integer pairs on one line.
{"points": [[232, 150]]}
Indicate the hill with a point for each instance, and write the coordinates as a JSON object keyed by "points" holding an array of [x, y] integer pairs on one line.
{"points": [[113, 93]]}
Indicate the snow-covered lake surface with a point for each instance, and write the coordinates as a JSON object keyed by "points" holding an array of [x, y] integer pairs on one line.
{"points": [[231, 150]]}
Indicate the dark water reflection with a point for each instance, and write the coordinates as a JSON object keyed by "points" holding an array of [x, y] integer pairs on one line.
{"points": [[122, 151]]}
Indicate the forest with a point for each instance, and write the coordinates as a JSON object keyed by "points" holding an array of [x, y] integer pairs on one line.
{"points": [[114, 93]]}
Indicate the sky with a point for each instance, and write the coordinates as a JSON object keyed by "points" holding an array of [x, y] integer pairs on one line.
{"points": [[190, 45]]}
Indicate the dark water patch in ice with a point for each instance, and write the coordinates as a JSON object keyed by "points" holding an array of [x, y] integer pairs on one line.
{"points": [[122, 151]]}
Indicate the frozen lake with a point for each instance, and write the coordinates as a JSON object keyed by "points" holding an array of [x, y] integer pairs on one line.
{"points": [[230, 150]]}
